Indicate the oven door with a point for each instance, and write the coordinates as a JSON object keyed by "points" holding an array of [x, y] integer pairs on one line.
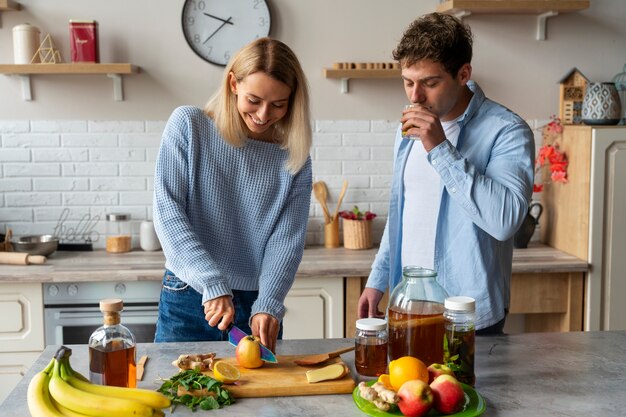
{"points": [[74, 325]]}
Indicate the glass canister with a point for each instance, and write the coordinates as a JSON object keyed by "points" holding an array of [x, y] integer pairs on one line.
{"points": [[370, 339], [112, 349], [620, 84], [118, 233], [460, 317], [415, 316]]}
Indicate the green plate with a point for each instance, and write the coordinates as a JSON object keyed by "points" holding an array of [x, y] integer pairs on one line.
{"points": [[474, 405]]}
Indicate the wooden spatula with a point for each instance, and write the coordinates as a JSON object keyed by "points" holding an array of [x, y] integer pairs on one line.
{"points": [[321, 358]]}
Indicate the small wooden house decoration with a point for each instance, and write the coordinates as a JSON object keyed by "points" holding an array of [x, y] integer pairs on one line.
{"points": [[572, 89]]}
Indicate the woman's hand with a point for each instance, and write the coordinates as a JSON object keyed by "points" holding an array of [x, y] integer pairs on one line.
{"points": [[220, 311], [266, 327]]}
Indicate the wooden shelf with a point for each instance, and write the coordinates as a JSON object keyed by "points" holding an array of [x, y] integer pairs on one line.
{"points": [[113, 71], [9, 5], [345, 74], [542, 8]]}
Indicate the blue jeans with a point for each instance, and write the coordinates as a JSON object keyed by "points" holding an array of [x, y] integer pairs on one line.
{"points": [[181, 313]]}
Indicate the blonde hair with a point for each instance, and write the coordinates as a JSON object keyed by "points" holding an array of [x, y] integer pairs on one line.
{"points": [[278, 61]]}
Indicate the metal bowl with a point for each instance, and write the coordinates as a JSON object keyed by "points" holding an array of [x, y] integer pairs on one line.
{"points": [[36, 244]]}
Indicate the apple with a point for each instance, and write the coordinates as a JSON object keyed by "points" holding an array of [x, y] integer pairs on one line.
{"points": [[448, 394], [436, 369], [415, 398], [248, 352]]}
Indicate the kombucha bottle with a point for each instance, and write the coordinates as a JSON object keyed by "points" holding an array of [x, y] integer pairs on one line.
{"points": [[112, 356]]}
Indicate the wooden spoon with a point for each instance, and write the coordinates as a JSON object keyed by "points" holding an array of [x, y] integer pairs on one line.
{"points": [[321, 194], [321, 358], [341, 194]]}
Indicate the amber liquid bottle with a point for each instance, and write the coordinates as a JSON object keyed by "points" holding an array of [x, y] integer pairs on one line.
{"points": [[112, 356]]}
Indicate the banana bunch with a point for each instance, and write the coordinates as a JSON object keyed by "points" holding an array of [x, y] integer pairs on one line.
{"points": [[59, 391]]}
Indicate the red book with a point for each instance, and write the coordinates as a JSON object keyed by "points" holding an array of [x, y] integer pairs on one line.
{"points": [[84, 40]]}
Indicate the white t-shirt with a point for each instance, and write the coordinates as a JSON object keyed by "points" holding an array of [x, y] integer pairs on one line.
{"points": [[422, 197]]}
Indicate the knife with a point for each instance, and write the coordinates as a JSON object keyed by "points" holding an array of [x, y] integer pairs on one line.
{"points": [[235, 334]]}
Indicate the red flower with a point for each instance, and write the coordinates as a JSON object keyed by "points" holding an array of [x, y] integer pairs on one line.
{"points": [[550, 154], [356, 214]]}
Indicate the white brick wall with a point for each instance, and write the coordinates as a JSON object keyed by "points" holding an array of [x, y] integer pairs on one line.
{"points": [[82, 169]]}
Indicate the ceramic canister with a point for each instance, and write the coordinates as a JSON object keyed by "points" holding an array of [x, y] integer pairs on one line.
{"points": [[601, 105], [26, 44], [148, 239]]}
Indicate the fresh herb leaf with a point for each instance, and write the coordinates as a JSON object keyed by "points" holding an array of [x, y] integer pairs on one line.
{"points": [[193, 379]]}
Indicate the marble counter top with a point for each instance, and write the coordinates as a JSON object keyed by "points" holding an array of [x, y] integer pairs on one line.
{"points": [[539, 375], [317, 261]]}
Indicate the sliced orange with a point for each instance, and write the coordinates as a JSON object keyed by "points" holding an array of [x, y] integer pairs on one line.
{"points": [[405, 369], [225, 372], [384, 379]]}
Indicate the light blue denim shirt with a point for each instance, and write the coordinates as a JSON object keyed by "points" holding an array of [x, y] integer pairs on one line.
{"points": [[487, 183]]}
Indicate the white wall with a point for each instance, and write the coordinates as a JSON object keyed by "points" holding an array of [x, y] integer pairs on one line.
{"points": [[511, 65]]}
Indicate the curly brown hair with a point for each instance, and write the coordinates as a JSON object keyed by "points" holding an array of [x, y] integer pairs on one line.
{"points": [[437, 37]]}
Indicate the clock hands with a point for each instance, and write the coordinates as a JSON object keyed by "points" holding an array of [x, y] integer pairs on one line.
{"points": [[219, 18], [216, 30]]}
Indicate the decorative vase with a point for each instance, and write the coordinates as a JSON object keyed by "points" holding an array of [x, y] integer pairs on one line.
{"points": [[526, 230], [601, 105], [357, 234]]}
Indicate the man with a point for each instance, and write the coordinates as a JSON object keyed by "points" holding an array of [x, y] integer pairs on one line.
{"points": [[462, 178]]}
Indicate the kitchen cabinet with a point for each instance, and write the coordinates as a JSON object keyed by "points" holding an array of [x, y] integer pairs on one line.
{"points": [[542, 8], [21, 332], [584, 218], [111, 70]]}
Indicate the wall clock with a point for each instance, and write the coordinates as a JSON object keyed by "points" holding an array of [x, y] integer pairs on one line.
{"points": [[216, 29]]}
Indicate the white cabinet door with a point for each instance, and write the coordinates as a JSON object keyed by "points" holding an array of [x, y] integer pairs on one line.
{"points": [[21, 310], [606, 284], [13, 366], [314, 309]]}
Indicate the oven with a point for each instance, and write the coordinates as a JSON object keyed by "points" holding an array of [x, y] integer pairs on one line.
{"points": [[72, 311]]}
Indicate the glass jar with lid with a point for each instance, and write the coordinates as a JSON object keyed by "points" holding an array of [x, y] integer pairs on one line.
{"points": [[118, 229], [415, 316], [460, 315], [370, 340], [620, 84]]}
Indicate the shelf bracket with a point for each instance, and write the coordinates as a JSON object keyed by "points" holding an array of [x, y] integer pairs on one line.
{"points": [[118, 91], [542, 23], [26, 91], [344, 85], [461, 14]]}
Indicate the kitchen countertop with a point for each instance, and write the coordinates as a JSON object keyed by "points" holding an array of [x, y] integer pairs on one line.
{"points": [[317, 261], [547, 374]]}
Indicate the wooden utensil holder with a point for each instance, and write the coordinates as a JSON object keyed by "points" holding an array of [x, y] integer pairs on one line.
{"points": [[357, 234], [331, 234]]}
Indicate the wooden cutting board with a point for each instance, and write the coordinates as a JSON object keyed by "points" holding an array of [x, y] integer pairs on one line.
{"points": [[285, 379]]}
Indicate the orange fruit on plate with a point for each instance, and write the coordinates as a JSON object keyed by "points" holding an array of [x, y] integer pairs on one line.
{"points": [[384, 379], [225, 372], [405, 369]]}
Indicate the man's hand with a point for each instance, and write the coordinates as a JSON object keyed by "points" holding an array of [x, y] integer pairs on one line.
{"points": [[266, 327], [422, 122], [368, 303], [220, 311]]}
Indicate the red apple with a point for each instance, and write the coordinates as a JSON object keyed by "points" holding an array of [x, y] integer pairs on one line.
{"points": [[448, 394], [436, 369], [415, 398], [248, 352]]}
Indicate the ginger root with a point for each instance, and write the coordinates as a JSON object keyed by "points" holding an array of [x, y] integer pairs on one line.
{"points": [[202, 362], [333, 371], [383, 398], [385, 394]]}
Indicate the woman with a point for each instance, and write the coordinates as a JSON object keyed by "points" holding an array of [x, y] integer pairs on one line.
{"points": [[231, 200]]}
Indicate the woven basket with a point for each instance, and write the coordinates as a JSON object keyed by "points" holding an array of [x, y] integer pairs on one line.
{"points": [[357, 234]]}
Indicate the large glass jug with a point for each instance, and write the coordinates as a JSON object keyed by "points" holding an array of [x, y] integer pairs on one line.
{"points": [[415, 316]]}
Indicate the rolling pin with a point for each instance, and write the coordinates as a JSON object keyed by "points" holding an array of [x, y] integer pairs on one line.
{"points": [[19, 258]]}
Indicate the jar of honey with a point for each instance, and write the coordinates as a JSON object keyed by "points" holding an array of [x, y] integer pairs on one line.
{"points": [[118, 233], [415, 316], [370, 354]]}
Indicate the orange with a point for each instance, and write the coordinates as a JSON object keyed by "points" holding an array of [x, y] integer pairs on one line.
{"points": [[405, 369], [225, 372], [384, 379]]}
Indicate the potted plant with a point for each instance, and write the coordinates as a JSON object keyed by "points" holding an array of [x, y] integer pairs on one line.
{"points": [[357, 228]]}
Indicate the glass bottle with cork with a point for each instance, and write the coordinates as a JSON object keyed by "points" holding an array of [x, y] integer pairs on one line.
{"points": [[460, 334], [370, 340], [112, 355], [415, 316]]}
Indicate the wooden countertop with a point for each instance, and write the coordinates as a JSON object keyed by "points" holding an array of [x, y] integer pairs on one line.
{"points": [[317, 261]]}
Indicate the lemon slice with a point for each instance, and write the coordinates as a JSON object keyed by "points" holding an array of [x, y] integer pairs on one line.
{"points": [[226, 372]]}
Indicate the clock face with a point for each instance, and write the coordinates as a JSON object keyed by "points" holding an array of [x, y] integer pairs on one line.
{"points": [[216, 29]]}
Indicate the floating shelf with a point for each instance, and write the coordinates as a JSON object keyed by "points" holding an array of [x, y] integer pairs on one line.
{"points": [[345, 74], [542, 8], [113, 71]]}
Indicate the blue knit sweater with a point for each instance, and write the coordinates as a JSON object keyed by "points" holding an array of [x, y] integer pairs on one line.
{"points": [[227, 217]]}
